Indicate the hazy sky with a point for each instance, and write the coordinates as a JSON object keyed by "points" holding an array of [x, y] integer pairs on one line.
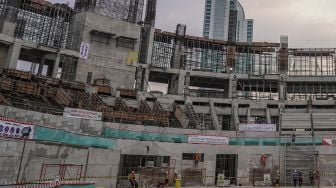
{"points": [[309, 23]]}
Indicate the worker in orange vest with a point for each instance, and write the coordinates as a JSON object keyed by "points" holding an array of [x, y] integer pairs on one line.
{"points": [[197, 158], [263, 160]]}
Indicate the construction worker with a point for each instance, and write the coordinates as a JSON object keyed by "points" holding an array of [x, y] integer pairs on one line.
{"points": [[300, 178], [167, 179], [132, 180], [197, 158], [277, 178], [263, 160], [295, 176], [311, 177]]}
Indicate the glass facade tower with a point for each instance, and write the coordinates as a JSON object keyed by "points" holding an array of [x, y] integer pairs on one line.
{"points": [[225, 20]]}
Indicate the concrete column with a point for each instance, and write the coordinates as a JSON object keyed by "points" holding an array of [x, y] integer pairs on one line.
{"points": [[187, 84], [235, 115], [41, 64], [178, 54], [138, 78], [13, 54], [214, 116], [210, 164], [231, 59], [145, 80], [56, 65], [282, 88], [173, 85], [248, 114], [283, 55], [150, 46], [178, 60], [268, 116], [176, 84], [232, 89]]}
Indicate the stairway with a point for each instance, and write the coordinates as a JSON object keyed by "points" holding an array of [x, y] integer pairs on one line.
{"points": [[194, 122], [181, 117], [299, 158]]}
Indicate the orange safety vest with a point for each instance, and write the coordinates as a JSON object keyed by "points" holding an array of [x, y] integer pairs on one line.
{"points": [[197, 157], [263, 158]]}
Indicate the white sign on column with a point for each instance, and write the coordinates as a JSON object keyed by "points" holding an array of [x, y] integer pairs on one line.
{"points": [[84, 50]]}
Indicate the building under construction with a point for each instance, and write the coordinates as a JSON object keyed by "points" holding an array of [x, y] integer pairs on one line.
{"points": [[106, 93]]}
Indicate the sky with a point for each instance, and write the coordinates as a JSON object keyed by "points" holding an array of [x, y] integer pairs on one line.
{"points": [[308, 23]]}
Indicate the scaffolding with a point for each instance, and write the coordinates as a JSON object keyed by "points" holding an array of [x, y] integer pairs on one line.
{"points": [[39, 22], [201, 54], [312, 62], [127, 10], [258, 89]]}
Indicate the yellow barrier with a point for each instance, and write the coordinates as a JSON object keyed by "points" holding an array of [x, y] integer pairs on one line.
{"points": [[178, 183]]}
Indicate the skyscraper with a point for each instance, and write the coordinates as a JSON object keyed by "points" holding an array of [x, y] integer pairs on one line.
{"points": [[225, 20]]}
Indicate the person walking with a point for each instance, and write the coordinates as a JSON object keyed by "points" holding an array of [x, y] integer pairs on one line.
{"points": [[317, 178], [295, 177], [300, 178], [311, 177], [132, 180]]}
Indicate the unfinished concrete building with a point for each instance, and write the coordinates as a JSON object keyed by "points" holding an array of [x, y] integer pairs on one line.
{"points": [[227, 103]]}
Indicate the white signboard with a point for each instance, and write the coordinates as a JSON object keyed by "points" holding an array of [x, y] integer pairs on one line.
{"points": [[257, 127], [84, 50], [14, 130], [220, 180], [82, 114], [213, 140]]}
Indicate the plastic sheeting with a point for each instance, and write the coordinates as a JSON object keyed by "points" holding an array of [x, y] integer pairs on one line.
{"points": [[62, 136]]}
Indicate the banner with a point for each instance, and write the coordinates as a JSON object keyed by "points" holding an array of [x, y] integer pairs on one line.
{"points": [[84, 50], [213, 140], [11, 129], [132, 58], [258, 127], [329, 141], [82, 114]]}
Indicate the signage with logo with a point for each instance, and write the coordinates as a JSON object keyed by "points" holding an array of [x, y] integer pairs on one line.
{"points": [[213, 140], [82, 114], [329, 141], [257, 127], [14, 130], [84, 50]]}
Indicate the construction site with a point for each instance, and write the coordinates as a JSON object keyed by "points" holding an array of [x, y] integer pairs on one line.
{"points": [[78, 102]]}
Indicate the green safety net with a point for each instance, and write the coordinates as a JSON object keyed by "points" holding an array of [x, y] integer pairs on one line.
{"points": [[144, 136], [62, 136], [274, 141]]}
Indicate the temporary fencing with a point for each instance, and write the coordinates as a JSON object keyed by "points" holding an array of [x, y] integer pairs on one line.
{"points": [[92, 179]]}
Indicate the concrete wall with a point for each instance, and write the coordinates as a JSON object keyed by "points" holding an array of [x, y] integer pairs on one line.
{"points": [[96, 162], [105, 162], [245, 155], [106, 60]]}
